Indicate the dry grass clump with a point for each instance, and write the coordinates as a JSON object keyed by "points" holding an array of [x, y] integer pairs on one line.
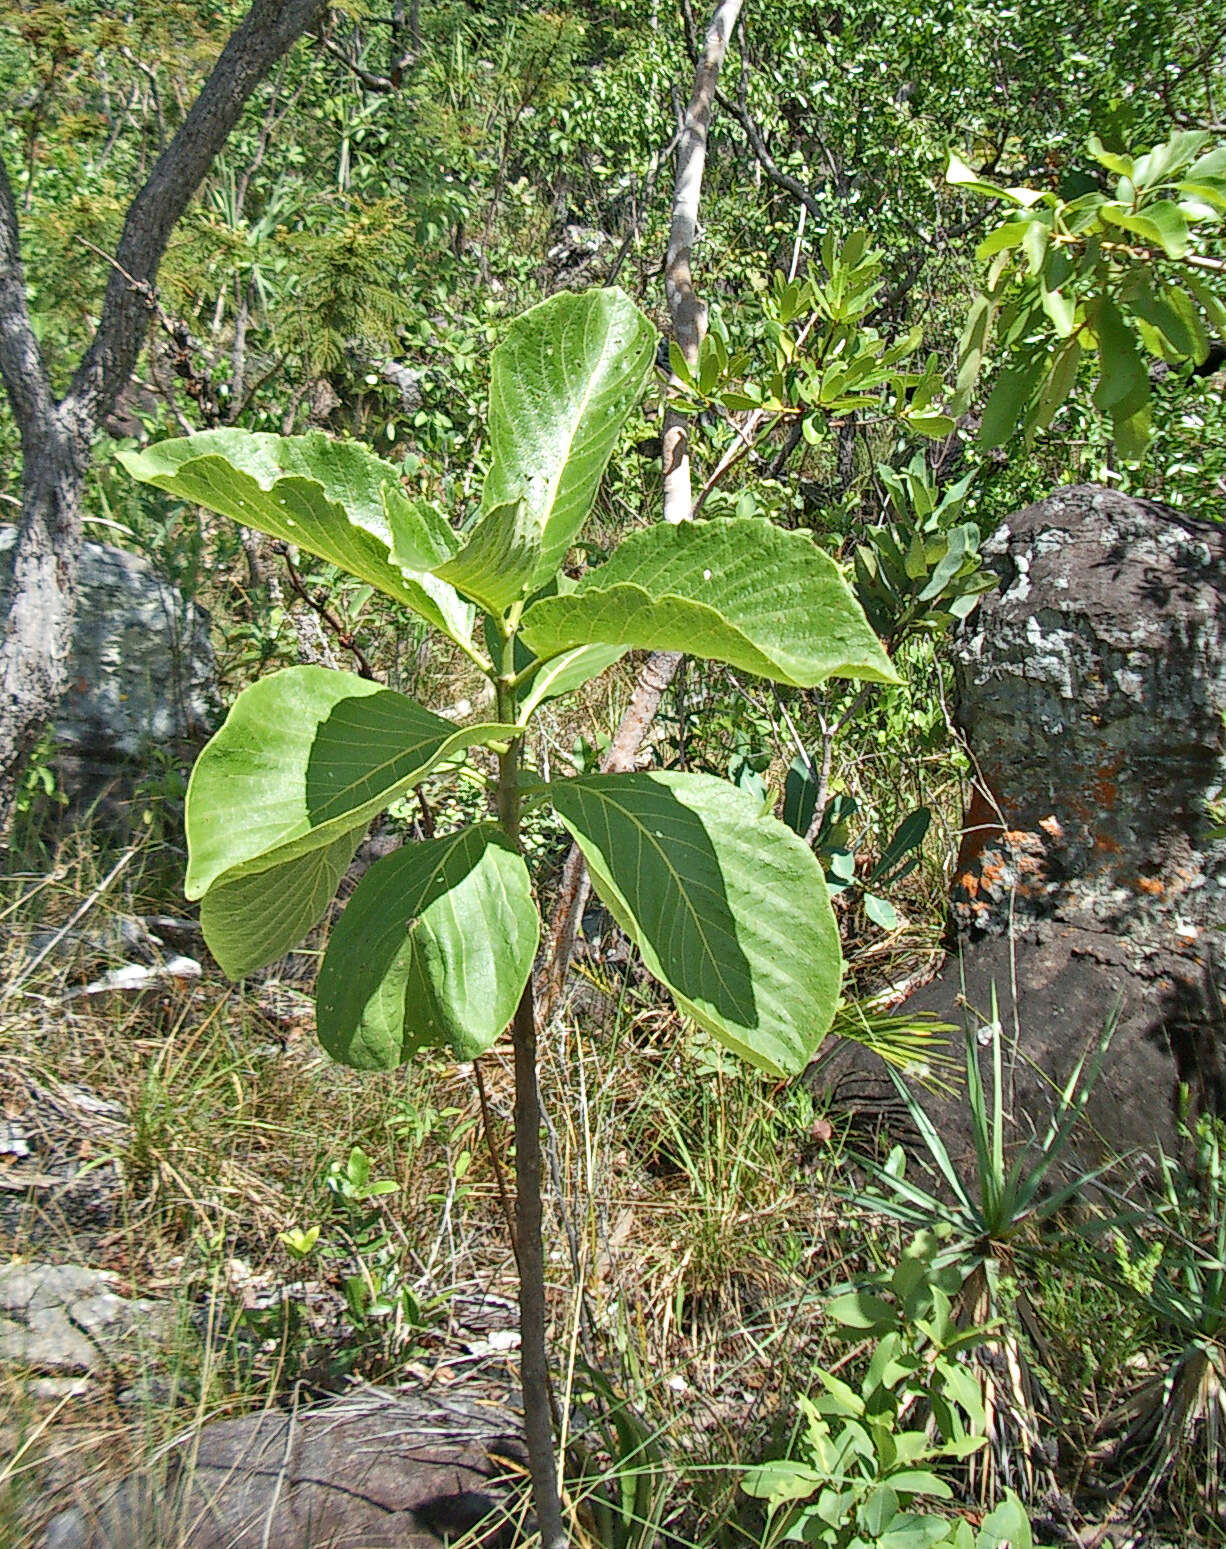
{"points": [[680, 1213]]}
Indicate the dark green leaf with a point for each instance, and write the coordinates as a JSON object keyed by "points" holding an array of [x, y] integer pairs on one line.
{"points": [[800, 794], [1123, 385], [305, 756], [433, 951], [728, 907], [1011, 397], [908, 836], [861, 1311], [1060, 383]]}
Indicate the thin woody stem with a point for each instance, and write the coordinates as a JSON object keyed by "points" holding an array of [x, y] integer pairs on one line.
{"points": [[529, 1237]]}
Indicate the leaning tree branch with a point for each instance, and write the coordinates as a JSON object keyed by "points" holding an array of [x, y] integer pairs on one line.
{"points": [[57, 437], [373, 82], [21, 360], [773, 172], [318, 604]]}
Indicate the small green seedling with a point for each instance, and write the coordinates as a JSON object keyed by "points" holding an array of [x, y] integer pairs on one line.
{"points": [[299, 1242], [875, 1459]]}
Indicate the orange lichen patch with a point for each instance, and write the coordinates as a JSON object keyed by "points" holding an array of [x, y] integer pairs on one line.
{"points": [[1154, 886], [969, 883], [1103, 788], [1025, 842], [1051, 826], [980, 827], [971, 912]]}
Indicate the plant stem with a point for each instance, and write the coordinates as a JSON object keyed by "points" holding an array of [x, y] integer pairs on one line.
{"points": [[534, 1357]]}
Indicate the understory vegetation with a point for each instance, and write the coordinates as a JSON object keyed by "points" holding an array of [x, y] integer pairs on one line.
{"points": [[951, 257]]}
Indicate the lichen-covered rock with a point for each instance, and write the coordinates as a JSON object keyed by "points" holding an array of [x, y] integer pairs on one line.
{"points": [[579, 257], [1092, 691], [1090, 889], [141, 672], [69, 1318]]}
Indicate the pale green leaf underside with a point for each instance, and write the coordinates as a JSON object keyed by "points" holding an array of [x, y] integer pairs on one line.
{"points": [[253, 918], [728, 907], [433, 951], [562, 384], [568, 672], [305, 756], [741, 591], [496, 565], [333, 498]]}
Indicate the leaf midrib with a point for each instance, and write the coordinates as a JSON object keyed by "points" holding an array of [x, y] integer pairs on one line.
{"points": [[676, 876], [564, 463]]}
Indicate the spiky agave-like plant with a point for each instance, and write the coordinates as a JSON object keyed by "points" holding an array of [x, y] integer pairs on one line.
{"points": [[1176, 1419], [990, 1216]]}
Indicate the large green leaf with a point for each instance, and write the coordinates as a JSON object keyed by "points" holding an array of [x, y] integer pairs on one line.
{"points": [[562, 384], [305, 756], [739, 591], [728, 907], [496, 565], [433, 951], [1123, 384], [1009, 403], [253, 918], [568, 672], [332, 498], [1162, 224]]}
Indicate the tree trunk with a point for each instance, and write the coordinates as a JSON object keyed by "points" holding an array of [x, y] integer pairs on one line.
{"points": [[686, 310], [38, 629], [56, 437]]}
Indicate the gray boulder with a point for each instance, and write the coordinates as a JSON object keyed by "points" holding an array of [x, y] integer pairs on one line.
{"points": [[372, 1470], [1090, 885], [1092, 690], [141, 672], [67, 1318]]}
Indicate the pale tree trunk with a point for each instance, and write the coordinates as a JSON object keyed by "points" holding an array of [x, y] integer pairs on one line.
{"points": [[57, 438], [688, 314], [686, 310]]}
